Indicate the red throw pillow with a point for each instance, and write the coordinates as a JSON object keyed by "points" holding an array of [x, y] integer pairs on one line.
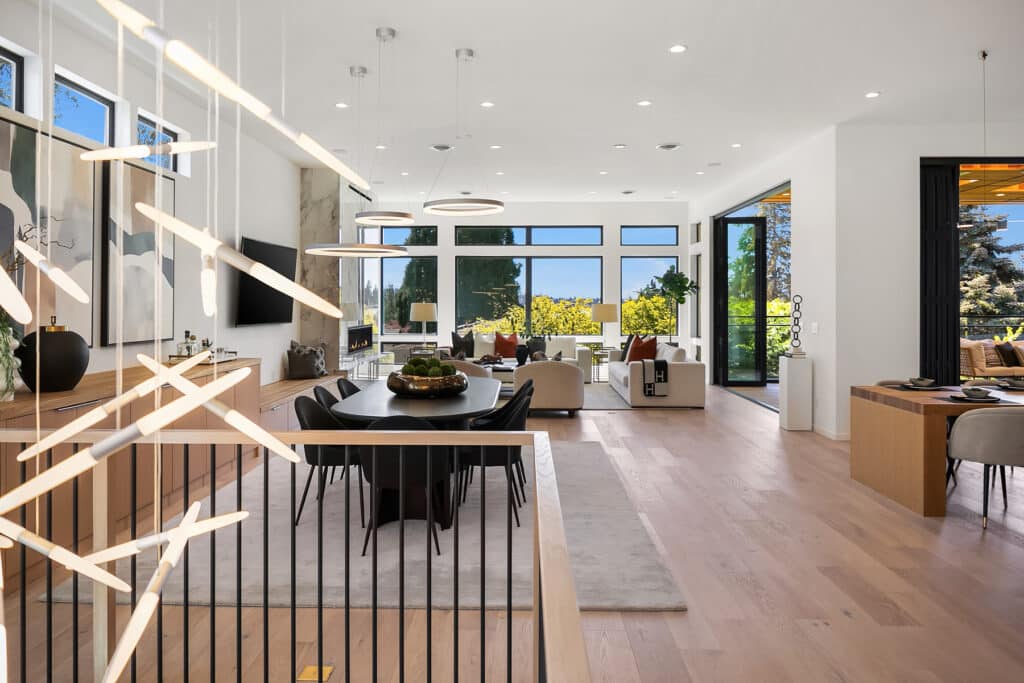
{"points": [[506, 346], [642, 349]]}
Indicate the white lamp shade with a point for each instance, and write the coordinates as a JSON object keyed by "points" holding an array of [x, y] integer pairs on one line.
{"points": [[604, 313], [423, 312]]}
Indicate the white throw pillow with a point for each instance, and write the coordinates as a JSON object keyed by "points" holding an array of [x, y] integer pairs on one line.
{"points": [[483, 345]]}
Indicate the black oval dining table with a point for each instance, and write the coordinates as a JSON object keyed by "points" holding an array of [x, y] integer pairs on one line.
{"points": [[376, 401]]}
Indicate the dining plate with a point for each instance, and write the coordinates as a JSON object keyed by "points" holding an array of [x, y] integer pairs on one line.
{"points": [[967, 399], [1010, 387], [914, 387]]}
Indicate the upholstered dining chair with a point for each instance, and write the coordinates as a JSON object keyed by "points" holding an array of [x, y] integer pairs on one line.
{"points": [[425, 467], [346, 387], [471, 369], [312, 415], [993, 437], [324, 397]]}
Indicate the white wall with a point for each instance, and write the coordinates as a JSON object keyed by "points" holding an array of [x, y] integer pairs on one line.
{"points": [[811, 168], [879, 230], [611, 215], [269, 187]]}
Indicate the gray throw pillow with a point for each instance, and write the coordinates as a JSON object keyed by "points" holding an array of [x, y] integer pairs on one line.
{"points": [[307, 362]]}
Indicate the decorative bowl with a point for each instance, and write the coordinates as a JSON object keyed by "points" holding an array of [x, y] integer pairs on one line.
{"points": [[975, 392], [1015, 382], [414, 386], [922, 382]]}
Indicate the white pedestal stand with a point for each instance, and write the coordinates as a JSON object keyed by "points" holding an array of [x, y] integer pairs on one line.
{"points": [[795, 393]]}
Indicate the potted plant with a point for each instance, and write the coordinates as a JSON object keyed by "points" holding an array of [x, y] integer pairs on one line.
{"points": [[675, 286]]}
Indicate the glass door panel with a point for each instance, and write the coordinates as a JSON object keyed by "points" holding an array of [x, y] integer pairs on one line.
{"points": [[740, 301]]}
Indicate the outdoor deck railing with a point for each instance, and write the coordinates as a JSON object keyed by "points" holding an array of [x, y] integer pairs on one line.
{"points": [[558, 650]]}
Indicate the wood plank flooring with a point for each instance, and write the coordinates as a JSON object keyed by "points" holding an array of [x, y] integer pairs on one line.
{"points": [[792, 572]]}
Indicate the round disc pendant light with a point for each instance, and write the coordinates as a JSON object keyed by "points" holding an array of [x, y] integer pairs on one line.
{"points": [[356, 250], [464, 206], [384, 218]]}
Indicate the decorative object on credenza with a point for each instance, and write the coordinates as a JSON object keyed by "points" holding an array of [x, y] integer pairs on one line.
{"points": [[427, 378], [676, 286], [794, 328], [63, 358], [9, 362], [307, 362]]}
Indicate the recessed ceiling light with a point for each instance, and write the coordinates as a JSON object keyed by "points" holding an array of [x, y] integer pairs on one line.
{"points": [[628, 191], [381, 146], [619, 145], [341, 105], [644, 103], [495, 146], [602, 172], [487, 104], [677, 48], [668, 146], [736, 145], [872, 95], [499, 173], [441, 148], [404, 173], [700, 172], [675, 191], [713, 164], [592, 192], [504, 191], [423, 192]]}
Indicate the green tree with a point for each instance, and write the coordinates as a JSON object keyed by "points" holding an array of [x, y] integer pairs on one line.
{"points": [[648, 314], [777, 248], [991, 276]]}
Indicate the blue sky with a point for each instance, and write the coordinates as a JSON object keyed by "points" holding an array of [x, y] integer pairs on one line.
{"points": [[79, 113], [637, 272], [1014, 233]]}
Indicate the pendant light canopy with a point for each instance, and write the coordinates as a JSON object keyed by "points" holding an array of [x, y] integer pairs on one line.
{"points": [[465, 205], [356, 250]]}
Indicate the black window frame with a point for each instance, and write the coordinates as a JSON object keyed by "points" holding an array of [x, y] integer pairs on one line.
{"points": [[382, 228], [381, 332], [159, 128], [622, 260], [623, 228], [529, 235], [105, 101], [528, 279], [18, 62]]}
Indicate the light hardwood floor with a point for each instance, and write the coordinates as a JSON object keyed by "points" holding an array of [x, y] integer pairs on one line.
{"points": [[792, 572]]}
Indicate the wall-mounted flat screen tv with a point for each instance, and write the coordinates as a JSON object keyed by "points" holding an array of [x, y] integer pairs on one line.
{"points": [[360, 338], [259, 304]]}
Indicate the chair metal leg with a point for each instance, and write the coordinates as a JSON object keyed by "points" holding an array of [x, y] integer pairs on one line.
{"points": [[950, 472], [298, 514], [511, 476], [373, 520], [984, 499], [323, 483], [522, 480], [433, 527], [362, 514], [1002, 477]]}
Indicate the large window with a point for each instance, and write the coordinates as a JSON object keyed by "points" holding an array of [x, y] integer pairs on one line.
{"points": [[649, 235], [82, 111], [403, 282], [538, 235], [645, 310], [539, 295], [148, 133], [11, 79]]}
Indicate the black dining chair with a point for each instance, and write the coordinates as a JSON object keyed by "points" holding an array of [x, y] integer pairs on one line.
{"points": [[509, 417], [312, 415], [425, 467], [346, 387], [326, 399]]}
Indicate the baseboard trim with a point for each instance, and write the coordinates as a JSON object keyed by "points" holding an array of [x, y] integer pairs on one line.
{"points": [[829, 434]]}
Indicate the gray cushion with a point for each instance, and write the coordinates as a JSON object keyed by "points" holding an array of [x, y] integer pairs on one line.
{"points": [[307, 362]]}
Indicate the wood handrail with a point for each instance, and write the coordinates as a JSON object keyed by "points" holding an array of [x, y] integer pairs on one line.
{"points": [[556, 612]]}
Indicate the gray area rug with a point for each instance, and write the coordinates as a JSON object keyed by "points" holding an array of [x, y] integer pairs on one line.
{"points": [[601, 396], [615, 564]]}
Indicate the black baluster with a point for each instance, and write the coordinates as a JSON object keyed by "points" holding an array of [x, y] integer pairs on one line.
{"points": [[185, 571], [133, 530], [49, 578], [348, 642], [320, 481], [22, 606], [373, 508], [238, 567], [158, 497], [483, 564], [430, 554], [401, 564], [455, 569], [266, 566], [508, 566], [74, 577], [294, 664], [213, 564]]}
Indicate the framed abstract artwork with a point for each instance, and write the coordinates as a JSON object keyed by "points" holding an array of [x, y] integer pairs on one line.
{"points": [[59, 218], [144, 272]]}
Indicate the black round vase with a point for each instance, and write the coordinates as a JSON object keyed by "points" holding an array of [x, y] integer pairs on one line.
{"points": [[522, 353], [63, 360]]}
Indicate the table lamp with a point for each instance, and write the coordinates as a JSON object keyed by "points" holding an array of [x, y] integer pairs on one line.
{"points": [[604, 313], [423, 312]]}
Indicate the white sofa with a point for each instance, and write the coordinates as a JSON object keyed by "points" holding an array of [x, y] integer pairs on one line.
{"points": [[557, 385], [572, 353], [685, 380]]}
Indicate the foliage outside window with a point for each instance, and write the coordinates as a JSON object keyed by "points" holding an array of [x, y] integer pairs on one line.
{"points": [[991, 271], [81, 111], [10, 79], [148, 133], [404, 281], [645, 310], [534, 235], [535, 295]]}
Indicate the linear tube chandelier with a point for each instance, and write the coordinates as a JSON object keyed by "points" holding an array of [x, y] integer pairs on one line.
{"points": [[143, 151], [56, 275], [136, 546], [208, 244], [206, 73], [13, 301], [220, 409]]}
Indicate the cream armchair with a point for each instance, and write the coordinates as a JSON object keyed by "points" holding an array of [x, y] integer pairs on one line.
{"points": [[557, 385], [573, 354]]}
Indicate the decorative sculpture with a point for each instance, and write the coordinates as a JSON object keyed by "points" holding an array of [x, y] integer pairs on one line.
{"points": [[794, 328]]}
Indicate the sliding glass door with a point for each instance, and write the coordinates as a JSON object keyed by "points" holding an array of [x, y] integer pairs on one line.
{"points": [[740, 301]]}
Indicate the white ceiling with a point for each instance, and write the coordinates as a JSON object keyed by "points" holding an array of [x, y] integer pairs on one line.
{"points": [[565, 76]]}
